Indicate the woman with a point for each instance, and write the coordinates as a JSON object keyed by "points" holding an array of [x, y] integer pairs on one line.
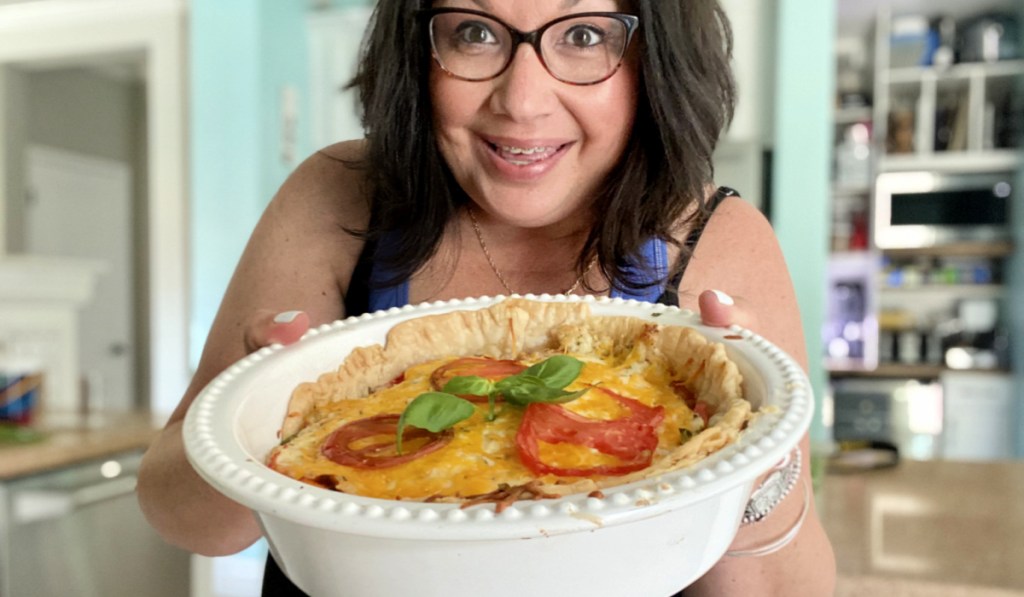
{"points": [[575, 158]]}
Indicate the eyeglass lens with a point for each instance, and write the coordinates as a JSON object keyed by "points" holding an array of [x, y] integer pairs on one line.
{"points": [[586, 49]]}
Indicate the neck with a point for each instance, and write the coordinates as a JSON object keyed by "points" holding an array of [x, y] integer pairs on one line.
{"points": [[530, 260]]}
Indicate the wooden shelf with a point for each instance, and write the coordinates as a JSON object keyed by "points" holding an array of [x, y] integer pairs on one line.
{"points": [[966, 249], [850, 191], [900, 371], [961, 71], [853, 115], [993, 160], [960, 290]]}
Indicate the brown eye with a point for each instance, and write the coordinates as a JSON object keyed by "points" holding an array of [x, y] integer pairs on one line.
{"points": [[475, 32], [584, 36]]}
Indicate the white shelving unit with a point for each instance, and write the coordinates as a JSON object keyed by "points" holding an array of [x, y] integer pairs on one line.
{"points": [[955, 131], [971, 87]]}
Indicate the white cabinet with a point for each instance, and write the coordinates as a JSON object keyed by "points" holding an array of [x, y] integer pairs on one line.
{"points": [[740, 157], [40, 299], [943, 116], [978, 416], [334, 40]]}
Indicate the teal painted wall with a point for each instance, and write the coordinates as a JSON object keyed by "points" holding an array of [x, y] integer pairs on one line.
{"points": [[243, 53], [803, 146]]}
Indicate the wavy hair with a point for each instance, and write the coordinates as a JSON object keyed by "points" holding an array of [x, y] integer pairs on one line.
{"points": [[686, 98]]}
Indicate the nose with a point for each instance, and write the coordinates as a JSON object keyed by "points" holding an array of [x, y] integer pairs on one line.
{"points": [[525, 91]]}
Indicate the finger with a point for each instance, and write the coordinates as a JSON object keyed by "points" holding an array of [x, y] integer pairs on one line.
{"points": [[719, 309], [716, 308], [267, 328]]}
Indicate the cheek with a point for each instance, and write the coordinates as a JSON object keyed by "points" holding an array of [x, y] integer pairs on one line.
{"points": [[611, 118], [454, 108]]}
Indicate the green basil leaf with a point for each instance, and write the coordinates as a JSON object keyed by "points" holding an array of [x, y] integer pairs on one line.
{"points": [[433, 411], [527, 393], [471, 385], [520, 379], [557, 371]]}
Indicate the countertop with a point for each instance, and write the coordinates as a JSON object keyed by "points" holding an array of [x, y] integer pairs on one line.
{"points": [[70, 441], [920, 529], [934, 528]]}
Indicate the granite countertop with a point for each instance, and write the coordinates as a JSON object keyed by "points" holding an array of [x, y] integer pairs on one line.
{"points": [[69, 441], [935, 529]]}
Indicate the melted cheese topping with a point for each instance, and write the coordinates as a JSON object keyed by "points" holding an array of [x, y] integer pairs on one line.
{"points": [[482, 455]]}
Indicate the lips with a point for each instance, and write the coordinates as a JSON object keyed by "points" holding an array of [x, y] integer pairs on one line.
{"points": [[525, 157]]}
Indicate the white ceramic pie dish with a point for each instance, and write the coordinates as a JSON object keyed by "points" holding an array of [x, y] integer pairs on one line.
{"points": [[651, 537]]}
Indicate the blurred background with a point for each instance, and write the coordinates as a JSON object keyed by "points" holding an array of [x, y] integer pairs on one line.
{"points": [[141, 139]]}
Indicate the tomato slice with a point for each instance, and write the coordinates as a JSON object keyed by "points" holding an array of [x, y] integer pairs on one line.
{"points": [[489, 369], [631, 439], [380, 452]]}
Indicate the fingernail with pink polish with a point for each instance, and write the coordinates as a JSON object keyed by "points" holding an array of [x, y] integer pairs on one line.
{"points": [[286, 316], [723, 298]]}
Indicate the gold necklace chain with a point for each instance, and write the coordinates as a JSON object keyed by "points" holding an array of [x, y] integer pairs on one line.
{"points": [[490, 261]]}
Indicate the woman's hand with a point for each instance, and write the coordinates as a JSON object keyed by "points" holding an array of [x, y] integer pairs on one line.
{"points": [[748, 575], [186, 510], [266, 328]]}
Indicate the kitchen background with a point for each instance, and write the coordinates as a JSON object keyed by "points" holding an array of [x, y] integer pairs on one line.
{"points": [[141, 139]]}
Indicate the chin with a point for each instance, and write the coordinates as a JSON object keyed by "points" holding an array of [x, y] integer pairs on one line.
{"points": [[532, 208]]}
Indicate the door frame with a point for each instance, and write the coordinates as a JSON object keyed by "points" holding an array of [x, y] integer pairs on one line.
{"points": [[47, 30]]}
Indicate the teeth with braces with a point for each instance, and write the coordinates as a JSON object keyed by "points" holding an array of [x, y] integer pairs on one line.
{"points": [[526, 151]]}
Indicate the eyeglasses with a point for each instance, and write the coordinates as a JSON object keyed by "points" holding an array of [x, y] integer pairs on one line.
{"points": [[580, 49]]}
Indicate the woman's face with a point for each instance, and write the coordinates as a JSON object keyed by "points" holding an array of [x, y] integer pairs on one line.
{"points": [[526, 147]]}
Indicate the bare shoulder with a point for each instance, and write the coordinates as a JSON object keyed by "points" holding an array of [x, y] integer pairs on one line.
{"points": [[315, 209], [299, 257], [332, 179], [738, 253], [738, 236]]}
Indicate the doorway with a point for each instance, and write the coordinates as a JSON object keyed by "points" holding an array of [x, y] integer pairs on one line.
{"points": [[82, 206], [101, 45]]}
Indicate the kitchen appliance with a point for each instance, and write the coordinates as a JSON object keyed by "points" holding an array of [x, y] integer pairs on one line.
{"points": [[925, 209], [904, 413], [79, 531], [979, 415], [850, 331], [990, 38], [649, 537]]}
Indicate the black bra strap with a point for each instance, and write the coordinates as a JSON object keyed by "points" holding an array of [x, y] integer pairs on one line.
{"points": [[671, 295], [712, 204]]}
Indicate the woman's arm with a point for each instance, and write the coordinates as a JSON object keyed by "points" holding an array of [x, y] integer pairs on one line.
{"points": [[298, 258], [739, 255]]}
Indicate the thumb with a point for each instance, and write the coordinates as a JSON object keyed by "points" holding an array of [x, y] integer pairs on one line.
{"points": [[718, 309], [267, 327]]}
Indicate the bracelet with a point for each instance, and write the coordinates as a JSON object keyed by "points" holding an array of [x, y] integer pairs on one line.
{"points": [[782, 541], [774, 488]]}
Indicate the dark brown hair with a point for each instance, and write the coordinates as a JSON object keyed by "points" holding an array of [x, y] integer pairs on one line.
{"points": [[685, 99]]}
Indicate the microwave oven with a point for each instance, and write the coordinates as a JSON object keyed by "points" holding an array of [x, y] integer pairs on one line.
{"points": [[926, 209]]}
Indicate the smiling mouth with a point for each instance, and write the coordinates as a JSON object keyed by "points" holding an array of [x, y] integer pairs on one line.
{"points": [[525, 156]]}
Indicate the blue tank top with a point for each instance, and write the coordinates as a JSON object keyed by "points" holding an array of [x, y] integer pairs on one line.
{"points": [[654, 268]]}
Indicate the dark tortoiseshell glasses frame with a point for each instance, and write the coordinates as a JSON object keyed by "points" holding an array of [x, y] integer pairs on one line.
{"points": [[533, 38]]}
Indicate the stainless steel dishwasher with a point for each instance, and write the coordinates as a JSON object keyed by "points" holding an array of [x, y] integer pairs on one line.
{"points": [[78, 531]]}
